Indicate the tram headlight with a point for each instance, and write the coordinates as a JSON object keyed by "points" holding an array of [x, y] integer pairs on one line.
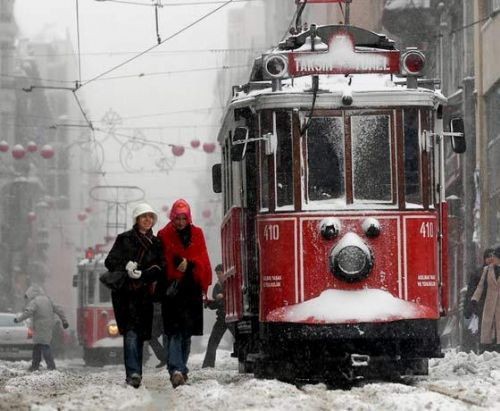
{"points": [[329, 227], [275, 66], [351, 260], [371, 227], [112, 329], [412, 62]]}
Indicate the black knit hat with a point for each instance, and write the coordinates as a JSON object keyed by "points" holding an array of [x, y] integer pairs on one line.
{"points": [[219, 267], [496, 251], [488, 252]]}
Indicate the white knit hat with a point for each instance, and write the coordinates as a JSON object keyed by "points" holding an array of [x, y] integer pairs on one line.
{"points": [[141, 209]]}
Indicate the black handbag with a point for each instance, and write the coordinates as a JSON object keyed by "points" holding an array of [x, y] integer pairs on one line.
{"points": [[114, 280]]}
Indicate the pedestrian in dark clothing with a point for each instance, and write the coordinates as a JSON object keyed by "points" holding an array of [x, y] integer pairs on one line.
{"points": [[157, 332], [42, 310], [468, 304], [188, 277], [138, 254], [220, 326], [489, 287]]}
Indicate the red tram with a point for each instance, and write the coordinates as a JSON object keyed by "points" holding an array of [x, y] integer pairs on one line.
{"points": [[96, 325], [334, 236]]}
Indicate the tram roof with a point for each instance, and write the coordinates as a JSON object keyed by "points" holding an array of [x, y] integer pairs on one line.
{"points": [[98, 261], [372, 91]]}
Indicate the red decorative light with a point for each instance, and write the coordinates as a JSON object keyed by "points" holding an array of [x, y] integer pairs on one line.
{"points": [[82, 216], [31, 147], [47, 151], [165, 208], [4, 146], [195, 143], [31, 216], [18, 151], [177, 151], [89, 253], [208, 147], [206, 213], [88, 210]]}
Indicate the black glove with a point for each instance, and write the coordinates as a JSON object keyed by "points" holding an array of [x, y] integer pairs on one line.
{"points": [[474, 307], [172, 289], [16, 320], [65, 325]]}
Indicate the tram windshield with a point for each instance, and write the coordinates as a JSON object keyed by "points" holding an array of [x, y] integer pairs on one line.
{"points": [[371, 158], [90, 290], [325, 158]]}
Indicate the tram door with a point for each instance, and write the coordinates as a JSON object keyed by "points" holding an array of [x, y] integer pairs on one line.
{"points": [[239, 178]]}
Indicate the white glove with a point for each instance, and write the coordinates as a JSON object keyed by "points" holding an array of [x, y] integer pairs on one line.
{"points": [[131, 266], [135, 274]]}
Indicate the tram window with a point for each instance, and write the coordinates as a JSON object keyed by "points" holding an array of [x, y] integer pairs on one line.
{"points": [[284, 160], [92, 277], [104, 293], [264, 177], [371, 157], [325, 158], [412, 157]]}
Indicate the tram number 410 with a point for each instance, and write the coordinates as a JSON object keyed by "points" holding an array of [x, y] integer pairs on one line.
{"points": [[271, 232], [427, 229]]}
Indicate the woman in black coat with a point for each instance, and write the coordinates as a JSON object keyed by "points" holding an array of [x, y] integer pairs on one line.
{"points": [[138, 254]]}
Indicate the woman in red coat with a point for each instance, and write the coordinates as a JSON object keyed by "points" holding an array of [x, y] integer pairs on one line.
{"points": [[188, 276]]}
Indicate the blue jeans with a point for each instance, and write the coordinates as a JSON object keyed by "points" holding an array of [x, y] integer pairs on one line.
{"points": [[177, 348], [38, 350], [132, 353]]}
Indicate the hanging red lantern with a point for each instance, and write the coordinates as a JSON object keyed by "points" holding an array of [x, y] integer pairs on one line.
{"points": [[31, 216], [4, 146], [177, 150], [82, 216], [206, 213], [208, 147], [88, 210], [195, 143], [18, 151], [109, 238], [31, 147], [165, 208], [47, 151]]}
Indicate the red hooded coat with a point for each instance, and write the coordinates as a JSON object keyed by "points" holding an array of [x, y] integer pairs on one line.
{"points": [[195, 253]]}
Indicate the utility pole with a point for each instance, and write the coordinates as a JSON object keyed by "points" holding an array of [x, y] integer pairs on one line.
{"points": [[481, 131]]}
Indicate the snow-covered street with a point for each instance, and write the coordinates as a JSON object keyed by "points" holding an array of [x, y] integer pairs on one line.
{"points": [[458, 382]]}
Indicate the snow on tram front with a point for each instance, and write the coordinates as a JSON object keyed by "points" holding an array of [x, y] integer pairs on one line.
{"points": [[334, 236]]}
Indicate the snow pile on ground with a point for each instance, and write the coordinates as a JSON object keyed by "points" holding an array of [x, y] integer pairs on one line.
{"points": [[340, 306], [472, 378], [457, 382]]}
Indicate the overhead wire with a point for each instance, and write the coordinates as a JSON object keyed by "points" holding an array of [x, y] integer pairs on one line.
{"points": [[156, 45], [78, 42]]}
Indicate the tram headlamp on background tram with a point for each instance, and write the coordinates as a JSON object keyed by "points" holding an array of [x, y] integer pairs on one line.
{"points": [[112, 329], [351, 260]]}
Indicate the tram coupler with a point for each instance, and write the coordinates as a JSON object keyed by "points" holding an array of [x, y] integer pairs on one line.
{"points": [[360, 360]]}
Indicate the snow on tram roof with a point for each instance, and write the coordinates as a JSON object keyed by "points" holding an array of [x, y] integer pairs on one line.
{"points": [[368, 90]]}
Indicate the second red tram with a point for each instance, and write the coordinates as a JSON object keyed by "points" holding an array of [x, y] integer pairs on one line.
{"points": [[334, 236], [96, 325]]}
